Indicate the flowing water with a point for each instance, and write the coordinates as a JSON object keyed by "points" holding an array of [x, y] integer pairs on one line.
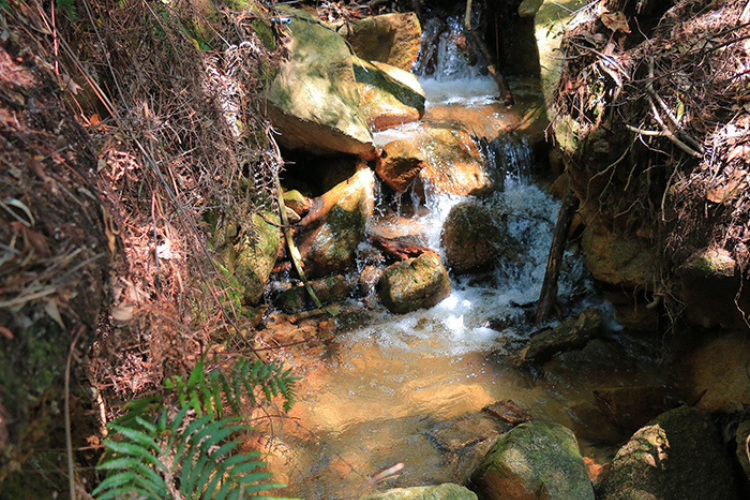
{"points": [[376, 394]]}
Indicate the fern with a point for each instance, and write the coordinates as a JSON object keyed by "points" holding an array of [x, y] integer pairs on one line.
{"points": [[190, 455], [175, 458]]}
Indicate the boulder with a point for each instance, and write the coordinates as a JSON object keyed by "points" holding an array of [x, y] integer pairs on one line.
{"points": [[335, 226], [633, 407], [447, 491], [679, 455], [448, 161], [534, 461], [471, 238], [573, 333], [331, 289], [391, 38], [710, 282], [313, 101], [253, 262], [388, 96], [618, 260], [413, 284]]}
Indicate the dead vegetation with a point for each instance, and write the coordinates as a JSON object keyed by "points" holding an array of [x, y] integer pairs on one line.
{"points": [[660, 97]]}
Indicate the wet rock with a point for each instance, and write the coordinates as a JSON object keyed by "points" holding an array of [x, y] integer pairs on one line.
{"points": [[507, 411], [330, 289], [471, 238], [447, 491], [633, 407], [716, 373], [369, 279], [399, 164], [256, 256], [413, 284], [388, 96], [534, 461], [619, 260], [743, 452], [333, 229], [313, 101], [459, 434], [391, 38], [574, 333], [710, 286], [679, 455]]}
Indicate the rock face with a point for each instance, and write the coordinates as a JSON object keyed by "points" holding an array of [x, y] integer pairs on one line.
{"points": [[335, 226], [679, 455], [388, 96], [470, 237], [629, 262], [254, 261], [391, 38], [313, 101], [534, 461], [414, 284], [447, 491]]}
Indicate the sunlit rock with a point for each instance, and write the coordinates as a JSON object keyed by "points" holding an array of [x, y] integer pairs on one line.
{"points": [[391, 38], [471, 238], [399, 164], [297, 201], [253, 261], [534, 461], [313, 101], [388, 96], [335, 226], [413, 284], [679, 455], [447, 491]]}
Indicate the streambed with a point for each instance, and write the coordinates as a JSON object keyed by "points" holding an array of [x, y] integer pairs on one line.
{"points": [[388, 389]]}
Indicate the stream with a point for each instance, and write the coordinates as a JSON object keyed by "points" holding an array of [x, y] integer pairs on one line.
{"points": [[386, 387]]}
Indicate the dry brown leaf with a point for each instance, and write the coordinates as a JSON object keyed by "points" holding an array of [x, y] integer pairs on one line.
{"points": [[742, 151], [6, 333], [616, 21], [724, 193]]}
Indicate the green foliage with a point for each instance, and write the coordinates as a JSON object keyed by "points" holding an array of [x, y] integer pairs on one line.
{"points": [[191, 455], [179, 458], [67, 7]]}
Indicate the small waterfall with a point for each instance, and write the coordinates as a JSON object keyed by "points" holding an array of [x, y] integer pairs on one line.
{"points": [[445, 53]]}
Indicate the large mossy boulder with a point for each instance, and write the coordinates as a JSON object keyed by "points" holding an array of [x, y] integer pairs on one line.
{"points": [[253, 261], [335, 226], [471, 238], [391, 38], [447, 491], [679, 455], [535, 460], [313, 101], [388, 96], [413, 284]]}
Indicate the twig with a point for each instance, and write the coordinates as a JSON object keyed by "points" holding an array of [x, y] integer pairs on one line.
{"points": [[68, 433]]}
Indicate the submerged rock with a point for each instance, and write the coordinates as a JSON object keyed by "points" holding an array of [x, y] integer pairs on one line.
{"points": [[413, 284], [313, 101], [574, 333], [633, 407], [335, 226], [388, 96], [471, 238], [447, 491], [391, 38], [534, 461], [679, 455]]}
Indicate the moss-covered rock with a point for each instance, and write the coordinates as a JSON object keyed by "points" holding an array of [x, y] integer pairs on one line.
{"points": [[679, 455], [571, 334], [388, 96], [447, 491], [619, 260], [331, 289], [333, 229], [413, 284], [471, 238], [535, 460], [313, 101], [256, 256]]}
